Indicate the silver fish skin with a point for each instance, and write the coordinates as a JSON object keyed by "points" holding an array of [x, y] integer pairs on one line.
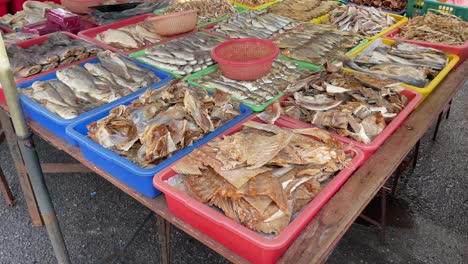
{"points": [[65, 92], [77, 78]]}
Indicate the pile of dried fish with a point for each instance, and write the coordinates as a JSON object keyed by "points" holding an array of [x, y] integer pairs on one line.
{"points": [[147, 6], [162, 121], [393, 5], [57, 50], [33, 11], [262, 175], [12, 38], [317, 44], [80, 89], [183, 55], [367, 21], [252, 3], [405, 62], [436, 28], [130, 37], [354, 105], [207, 10], [303, 10], [253, 24], [283, 75]]}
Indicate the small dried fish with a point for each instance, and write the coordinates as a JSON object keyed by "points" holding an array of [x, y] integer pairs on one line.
{"points": [[160, 122], [253, 3], [354, 105], [436, 28], [284, 75], [207, 10], [130, 37], [317, 44], [240, 175], [405, 62], [184, 55], [80, 89], [303, 10], [254, 24], [367, 21], [393, 5]]}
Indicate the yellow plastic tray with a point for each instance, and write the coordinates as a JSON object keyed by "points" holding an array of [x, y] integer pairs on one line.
{"points": [[400, 20], [453, 59], [254, 7]]}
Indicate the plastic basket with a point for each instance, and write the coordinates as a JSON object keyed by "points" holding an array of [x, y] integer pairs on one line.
{"points": [[243, 241], [57, 124], [36, 41], [401, 13], [135, 176], [414, 98], [245, 59], [400, 20], [90, 34], [260, 7], [420, 7], [176, 75], [453, 60], [192, 79]]}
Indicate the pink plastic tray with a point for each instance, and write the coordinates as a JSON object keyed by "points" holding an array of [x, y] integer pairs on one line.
{"points": [[368, 149], [90, 34], [39, 40], [460, 51], [233, 235]]}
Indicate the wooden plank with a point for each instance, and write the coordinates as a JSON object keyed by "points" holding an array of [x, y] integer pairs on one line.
{"points": [[23, 177], [64, 168], [5, 190], [323, 233]]}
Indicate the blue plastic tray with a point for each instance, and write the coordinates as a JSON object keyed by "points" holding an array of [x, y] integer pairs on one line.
{"points": [[135, 176], [57, 124], [401, 13]]}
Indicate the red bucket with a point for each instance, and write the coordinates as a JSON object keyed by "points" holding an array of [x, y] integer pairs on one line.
{"points": [[245, 59]]}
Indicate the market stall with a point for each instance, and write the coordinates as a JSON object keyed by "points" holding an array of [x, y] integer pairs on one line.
{"points": [[323, 135]]}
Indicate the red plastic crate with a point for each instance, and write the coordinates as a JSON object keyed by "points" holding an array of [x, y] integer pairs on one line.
{"points": [[90, 34], [414, 99], [460, 51], [240, 239], [38, 40]]}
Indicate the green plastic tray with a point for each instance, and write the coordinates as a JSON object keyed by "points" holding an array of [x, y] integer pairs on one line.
{"points": [[421, 7], [143, 52], [202, 25], [191, 79]]}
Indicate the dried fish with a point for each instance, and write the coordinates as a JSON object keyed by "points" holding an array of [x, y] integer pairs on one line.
{"points": [[303, 10], [436, 28], [393, 5], [283, 75], [253, 3], [12, 38], [405, 62], [161, 122], [354, 105], [317, 44], [207, 10], [254, 24], [80, 89], [240, 175], [184, 55], [57, 50], [367, 21], [130, 37], [33, 11]]}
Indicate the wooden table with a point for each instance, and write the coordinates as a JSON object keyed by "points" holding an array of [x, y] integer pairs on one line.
{"points": [[322, 234]]}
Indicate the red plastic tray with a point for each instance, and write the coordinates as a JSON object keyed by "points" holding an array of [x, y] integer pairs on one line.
{"points": [[368, 149], [6, 30], [90, 34], [240, 239], [38, 40], [460, 51]]}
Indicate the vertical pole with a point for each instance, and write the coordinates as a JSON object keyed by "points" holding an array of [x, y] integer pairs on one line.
{"points": [[31, 159]]}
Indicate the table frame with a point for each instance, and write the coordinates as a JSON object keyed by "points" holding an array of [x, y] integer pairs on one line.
{"points": [[322, 234]]}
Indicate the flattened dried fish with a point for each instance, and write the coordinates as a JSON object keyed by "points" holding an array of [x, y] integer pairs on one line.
{"points": [[207, 10], [303, 10], [393, 5]]}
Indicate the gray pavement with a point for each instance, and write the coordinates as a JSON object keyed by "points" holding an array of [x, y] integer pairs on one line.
{"points": [[428, 217]]}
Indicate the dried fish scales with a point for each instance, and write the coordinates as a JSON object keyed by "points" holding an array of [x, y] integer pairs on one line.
{"points": [[207, 10], [267, 201], [303, 10], [163, 120], [393, 5], [436, 28]]}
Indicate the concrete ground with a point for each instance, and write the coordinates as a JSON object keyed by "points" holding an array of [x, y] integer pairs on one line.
{"points": [[428, 217]]}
